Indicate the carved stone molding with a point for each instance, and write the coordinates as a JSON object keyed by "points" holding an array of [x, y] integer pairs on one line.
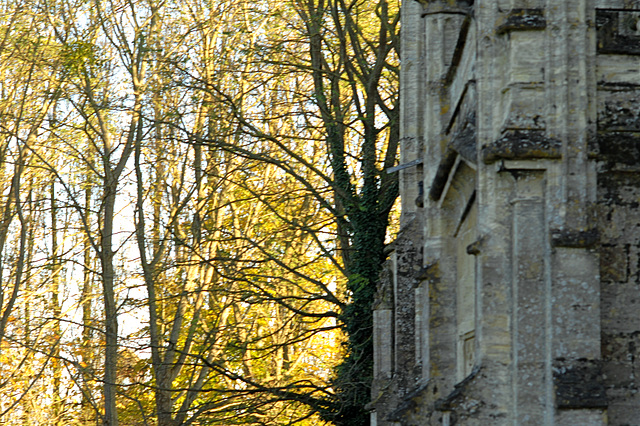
{"points": [[522, 20], [446, 6], [618, 31], [522, 145]]}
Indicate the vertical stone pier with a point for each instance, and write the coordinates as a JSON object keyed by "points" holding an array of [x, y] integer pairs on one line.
{"points": [[512, 296]]}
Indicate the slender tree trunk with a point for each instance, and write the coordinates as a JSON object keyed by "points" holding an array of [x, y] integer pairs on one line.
{"points": [[110, 186], [161, 369], [110, 308], [55, 309], [4, 226], [87, 318]]}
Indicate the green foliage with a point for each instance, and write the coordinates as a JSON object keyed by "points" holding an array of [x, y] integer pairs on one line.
{"points": [[78, 57], [217, 171]]}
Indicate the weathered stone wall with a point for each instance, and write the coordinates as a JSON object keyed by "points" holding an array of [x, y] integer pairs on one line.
{"points": [[619, 219], [512, 295], [617, 151]]}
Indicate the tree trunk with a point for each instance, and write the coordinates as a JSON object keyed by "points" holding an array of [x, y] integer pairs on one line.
{"points": [[110, 309], [55, 309], [87, 318]]}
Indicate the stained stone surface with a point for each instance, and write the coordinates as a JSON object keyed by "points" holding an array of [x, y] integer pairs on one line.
{"points": [[513, 292]]}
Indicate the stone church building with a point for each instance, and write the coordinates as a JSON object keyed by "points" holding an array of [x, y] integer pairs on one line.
{"points": [[512, 295]]}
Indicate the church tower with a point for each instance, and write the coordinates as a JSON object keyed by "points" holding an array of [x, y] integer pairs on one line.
{"points": [[512, 295]]}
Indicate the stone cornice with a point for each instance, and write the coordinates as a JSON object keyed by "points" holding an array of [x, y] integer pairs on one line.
{"points": [[446, 6]]}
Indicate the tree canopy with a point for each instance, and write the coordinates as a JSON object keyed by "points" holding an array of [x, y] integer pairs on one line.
{"points": [[194, 208]]}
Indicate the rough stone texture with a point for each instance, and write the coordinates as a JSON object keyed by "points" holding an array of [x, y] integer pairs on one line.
{"points": [[579, 384], [394, 323], [619, 217], [513, 293]]}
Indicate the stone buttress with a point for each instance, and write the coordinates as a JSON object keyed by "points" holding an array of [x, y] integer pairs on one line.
{"points": [[512, 295]]}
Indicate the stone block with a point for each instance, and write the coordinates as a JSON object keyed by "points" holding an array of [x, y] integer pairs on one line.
{"points": [[578, 384], [620, 304], [624, 408], [614, 263], [618, 108], [526, 61], [585, 417]]}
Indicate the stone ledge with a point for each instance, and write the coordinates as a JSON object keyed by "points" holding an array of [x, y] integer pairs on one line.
{"points": [[449, 402], [521, 145], [429, 272], [432, 7], [522, 20], [442, 174], [409, 403], [462, 143], [574, 239]]}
